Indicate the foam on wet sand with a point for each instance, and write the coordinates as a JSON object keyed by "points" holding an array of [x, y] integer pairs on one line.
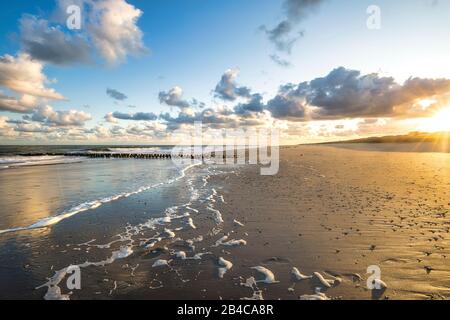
{"points": [[225, 266]]}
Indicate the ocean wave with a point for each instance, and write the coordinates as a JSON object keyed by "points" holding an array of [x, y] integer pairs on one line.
{"points": [[22, 161], [138, 150], [91, 205]]}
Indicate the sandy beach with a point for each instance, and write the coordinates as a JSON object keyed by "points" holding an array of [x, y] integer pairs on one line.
{"points": [[337, 211], [225, 151], [329, 210], [226, 232]]}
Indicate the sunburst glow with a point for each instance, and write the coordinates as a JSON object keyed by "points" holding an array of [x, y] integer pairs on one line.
{"points": [[439, 122]]}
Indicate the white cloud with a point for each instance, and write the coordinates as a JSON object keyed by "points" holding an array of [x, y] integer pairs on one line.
{"points": [[24, 75], [50, 117], [113, 28], [24, 104], [108, 29], [6, 129], [32, 128], [174, 98], [110, 118]]}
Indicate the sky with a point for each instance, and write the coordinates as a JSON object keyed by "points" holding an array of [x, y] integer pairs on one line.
{"points": [[138, 72]]}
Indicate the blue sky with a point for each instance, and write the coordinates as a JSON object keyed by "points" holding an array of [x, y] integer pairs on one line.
{"points": [[192, 43]]}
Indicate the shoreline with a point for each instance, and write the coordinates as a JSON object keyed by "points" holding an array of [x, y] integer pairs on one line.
{"points": [[332, 212]]}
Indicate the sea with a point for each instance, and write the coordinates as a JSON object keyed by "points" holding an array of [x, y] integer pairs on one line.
{"points": [[59, 213]]}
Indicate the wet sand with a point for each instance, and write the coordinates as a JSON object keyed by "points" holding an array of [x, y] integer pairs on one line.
{"points": [[337, 211], [329, 210]]}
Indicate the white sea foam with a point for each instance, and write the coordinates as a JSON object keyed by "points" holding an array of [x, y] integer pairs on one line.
{"points": [[169, 233], [251, 284], [22, 161], [230, 243], [180, 255], [199, 256], [217, 215], [191, 223], [269, 276], [191, 242], [160, 263], [192, 209], [326, 283], [317, 296], [225, 266], [298, 275], [235, 243], [257, 295], [53, 289]]}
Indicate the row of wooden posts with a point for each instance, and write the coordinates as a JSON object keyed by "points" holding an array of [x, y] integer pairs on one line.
{"points": [[100, 155]]}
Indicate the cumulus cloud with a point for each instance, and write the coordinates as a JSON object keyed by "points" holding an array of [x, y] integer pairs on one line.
{"points": [[6, 130], [287, 106], [227, 89], [174, 98], [32, 128], [285, 34], [24, 75], [51, 44], [348, 93], [219, 118], [148, 129], [110, 118], [255, 104], [139, 116], [50, 117], [24, 104], [113, 29], [116, 95], [211, 117], [109, 30]]}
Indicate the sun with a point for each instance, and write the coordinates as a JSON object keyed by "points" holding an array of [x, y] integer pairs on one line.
{"points": [[439, 122]]}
